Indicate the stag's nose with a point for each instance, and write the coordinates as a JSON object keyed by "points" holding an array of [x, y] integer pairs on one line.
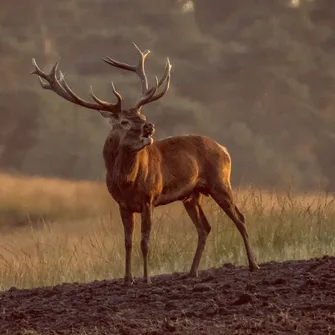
{"points": [[148, 128]]}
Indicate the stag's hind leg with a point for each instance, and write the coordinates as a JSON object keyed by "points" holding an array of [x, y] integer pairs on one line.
{"points": [[195, 212], [223, 196]]}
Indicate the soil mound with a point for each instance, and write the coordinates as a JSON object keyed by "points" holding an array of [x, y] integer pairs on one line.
{"points": [[293, 297]]}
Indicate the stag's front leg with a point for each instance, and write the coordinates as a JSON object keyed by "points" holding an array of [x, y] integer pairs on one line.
{"points": [[145, 230], [128, 225]]}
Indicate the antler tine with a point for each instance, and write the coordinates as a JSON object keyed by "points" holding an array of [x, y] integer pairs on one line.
{"points": [[138, 69], [148, 95], [165, 79], [45, 85], [165, 89], [116, 93], [167, 71], [121, 65], [104, 103], [61, 88]]}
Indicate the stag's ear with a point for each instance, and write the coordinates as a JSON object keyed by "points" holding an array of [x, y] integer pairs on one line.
{"points": [[109, 115]]}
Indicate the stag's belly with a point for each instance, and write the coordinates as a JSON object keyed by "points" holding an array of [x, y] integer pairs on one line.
{"points": [[181, 192], [133, 197], [164, 199]]}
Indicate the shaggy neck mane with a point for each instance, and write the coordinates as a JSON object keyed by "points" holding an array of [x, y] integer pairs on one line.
{"points": [[126, 166], [123, 164]]}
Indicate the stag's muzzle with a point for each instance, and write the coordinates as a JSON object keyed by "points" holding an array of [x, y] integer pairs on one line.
{"points": [[148, 129]]}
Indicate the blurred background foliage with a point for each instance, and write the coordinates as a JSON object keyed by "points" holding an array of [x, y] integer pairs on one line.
{"points": [[256, 75]]}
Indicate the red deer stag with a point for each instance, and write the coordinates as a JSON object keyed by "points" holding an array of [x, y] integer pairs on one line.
{"points": [[143, 174]]}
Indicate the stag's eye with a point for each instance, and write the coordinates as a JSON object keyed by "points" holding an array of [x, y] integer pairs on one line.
{"points": [[125, 123]]}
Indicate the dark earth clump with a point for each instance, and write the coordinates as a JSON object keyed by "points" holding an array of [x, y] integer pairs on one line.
{"points": [[293, 297]]}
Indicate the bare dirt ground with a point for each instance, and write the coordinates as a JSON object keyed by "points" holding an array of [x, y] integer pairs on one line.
{"points": [[294, 297]]}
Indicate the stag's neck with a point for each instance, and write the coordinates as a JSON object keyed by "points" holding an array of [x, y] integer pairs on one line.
{"points": [[127, 166], [123, 165], [110, 151]]}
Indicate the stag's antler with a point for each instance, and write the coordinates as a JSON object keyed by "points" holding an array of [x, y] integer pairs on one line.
{"points": [[60, 87], [148, 95]]}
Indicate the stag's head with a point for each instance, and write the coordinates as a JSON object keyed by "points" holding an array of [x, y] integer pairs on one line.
{"points": [[130, 125], [133, 130]]}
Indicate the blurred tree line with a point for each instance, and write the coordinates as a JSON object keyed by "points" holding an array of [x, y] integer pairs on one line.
{"points": [[256, 75]]}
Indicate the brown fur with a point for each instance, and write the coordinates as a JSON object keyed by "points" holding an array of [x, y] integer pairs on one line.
{"points": [[177, 168], [143, 174]]}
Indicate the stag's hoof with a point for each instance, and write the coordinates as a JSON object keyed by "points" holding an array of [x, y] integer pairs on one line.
{"points": [[147, 281], [254, 267], [192, 274], [128, 281]]}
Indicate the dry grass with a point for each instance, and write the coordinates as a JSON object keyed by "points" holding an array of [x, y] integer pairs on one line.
{"points": [[57, 231], [36, 199]]}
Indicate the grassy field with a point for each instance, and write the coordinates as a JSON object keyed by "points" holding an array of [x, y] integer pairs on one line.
{"points": [[54, 231]]}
